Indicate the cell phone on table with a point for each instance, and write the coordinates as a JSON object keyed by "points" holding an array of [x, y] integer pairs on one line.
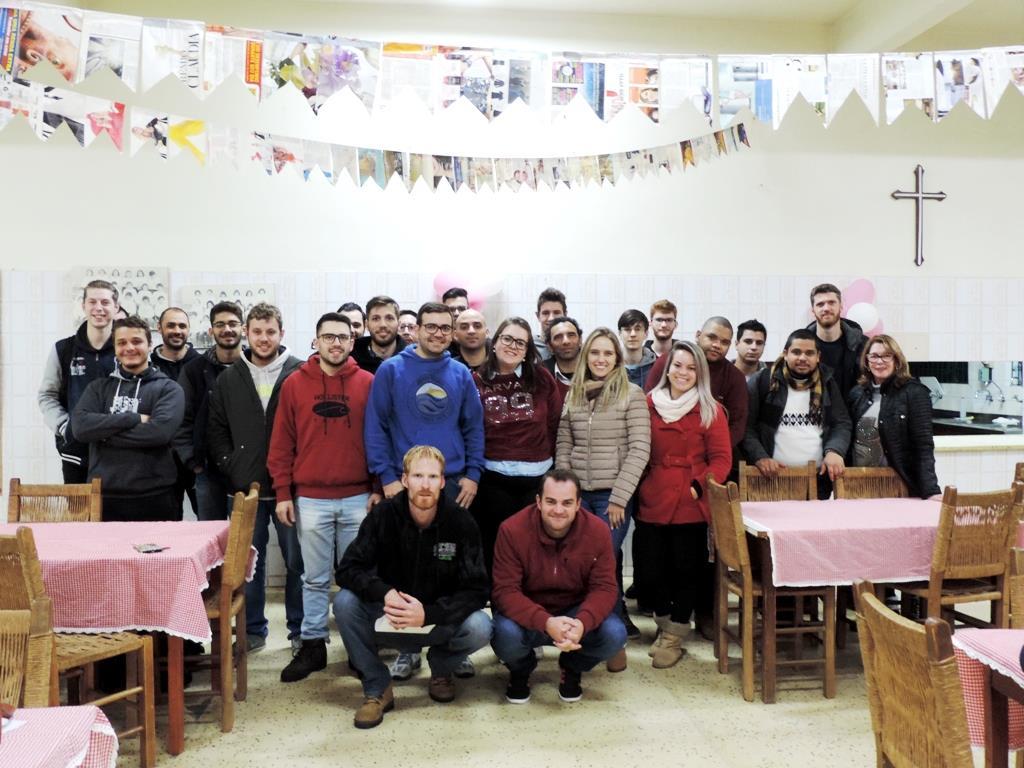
{"points": [[148, 548]]}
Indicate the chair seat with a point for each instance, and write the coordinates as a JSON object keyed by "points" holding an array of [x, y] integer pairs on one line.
{"points": [[211, 601], [978, 589], [77, 650], [735, 584]]}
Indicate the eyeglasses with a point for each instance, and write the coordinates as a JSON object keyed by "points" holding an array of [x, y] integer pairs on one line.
{"points": [[433, 329], [512, 341], [880, 358], [331, 338], [663, 320], [234, 325], [406, 326]]}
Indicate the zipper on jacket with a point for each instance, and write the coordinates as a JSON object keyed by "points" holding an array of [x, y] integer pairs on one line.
{"points": [[590, 424]]}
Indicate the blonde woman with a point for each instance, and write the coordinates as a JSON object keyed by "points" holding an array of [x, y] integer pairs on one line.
{"points": [[604, 436]]}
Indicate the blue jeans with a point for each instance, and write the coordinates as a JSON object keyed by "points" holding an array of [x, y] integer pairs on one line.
{"points": [[449, 645], [212, 496], [325, 527], [256, 590], [451, 488], [514, 644], [597, 502]]}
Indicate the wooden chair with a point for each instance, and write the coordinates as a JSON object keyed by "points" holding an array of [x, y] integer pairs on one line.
{"points": [[21, 582], [1018, 472], [76, 503], [225, 602], [791, 484], [734, 575], [972, 555], [917, 704], [26, 655], [870, 483], [1016, 591]]}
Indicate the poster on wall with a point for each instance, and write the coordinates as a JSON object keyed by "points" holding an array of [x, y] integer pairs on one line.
{"points": [[852, 73], [142, 291], [198, 300]]}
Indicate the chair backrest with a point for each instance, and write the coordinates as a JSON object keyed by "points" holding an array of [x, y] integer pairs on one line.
{"points": [[1018, 472], [75, 503], [976, 533], [21, 576], [870, 483], [26, 655], [790, 484], [1016, 588], [914, 693], [236, 555], [727, 526]]}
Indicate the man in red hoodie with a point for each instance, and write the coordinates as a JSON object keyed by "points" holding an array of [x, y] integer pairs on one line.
{"points": [[318, 464], [554, 584]]}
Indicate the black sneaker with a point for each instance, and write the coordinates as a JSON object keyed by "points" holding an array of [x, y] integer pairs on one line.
{"points": [[632, 630], [312, 657], [518, 690], [569, 688]]}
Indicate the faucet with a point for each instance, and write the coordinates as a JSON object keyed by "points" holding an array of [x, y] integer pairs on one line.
{"points": [[988, 392]]}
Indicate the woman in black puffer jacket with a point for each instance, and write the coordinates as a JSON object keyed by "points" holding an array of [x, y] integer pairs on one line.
{"points": [[892, 418]]}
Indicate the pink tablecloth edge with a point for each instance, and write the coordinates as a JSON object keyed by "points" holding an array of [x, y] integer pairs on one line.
{"points": [[833, 582], [988, 661]]}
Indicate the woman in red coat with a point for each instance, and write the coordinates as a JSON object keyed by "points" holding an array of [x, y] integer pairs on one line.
{"points": [[689, 439]]}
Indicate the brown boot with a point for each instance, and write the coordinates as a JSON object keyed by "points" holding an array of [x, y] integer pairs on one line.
{"points": [[371, 713], [669, 652], [617, 663], [655, 645]]}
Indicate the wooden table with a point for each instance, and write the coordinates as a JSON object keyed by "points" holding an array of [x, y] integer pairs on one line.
{"points": [[98, 582], [58, 737]]}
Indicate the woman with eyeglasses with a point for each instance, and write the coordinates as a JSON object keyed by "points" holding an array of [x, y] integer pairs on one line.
{"points": [[689, 440], [520, 403], [892, 418], [604, 436]]}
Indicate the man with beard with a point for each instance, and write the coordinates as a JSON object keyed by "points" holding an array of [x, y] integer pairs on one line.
{"points": [[564, 340], [797, 414], [128, 419], [840, 341], [356, 316], [413, 577], [242, 408], [471, 347], [383, 342], [316, 448], [196, 380], [663, 326], [170, 357]]}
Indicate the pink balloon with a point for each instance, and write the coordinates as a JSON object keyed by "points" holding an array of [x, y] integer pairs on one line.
{"points": [[445, 280], [859, 291]]}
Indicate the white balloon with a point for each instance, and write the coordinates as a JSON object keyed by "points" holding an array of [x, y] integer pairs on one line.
{"points": [[864, 314]]}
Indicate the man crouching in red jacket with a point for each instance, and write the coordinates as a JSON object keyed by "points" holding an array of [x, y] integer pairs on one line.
{"points": [[554, 584]]}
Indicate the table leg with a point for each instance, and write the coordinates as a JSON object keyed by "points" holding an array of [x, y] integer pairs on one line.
{"points": [[175, 695], [996, 723], [769, 622]]}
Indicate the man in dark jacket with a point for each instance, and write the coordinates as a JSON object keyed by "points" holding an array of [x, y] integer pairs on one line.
{"points": [[242, 407], [74, 363], [383, 340], [554, 584], [128, 420], [413, 577], [196, 380], [840, 341], [797, 414]]}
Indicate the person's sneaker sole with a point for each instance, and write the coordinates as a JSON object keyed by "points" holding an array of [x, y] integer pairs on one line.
{"points": [[365, 725], [569, 699], [512, 700]]}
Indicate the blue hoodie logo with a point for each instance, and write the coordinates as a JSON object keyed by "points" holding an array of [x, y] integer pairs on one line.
{"points": [[431, 400]]}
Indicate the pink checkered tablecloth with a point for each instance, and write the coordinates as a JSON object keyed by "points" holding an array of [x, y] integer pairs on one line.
{"points": [[58, 737], [998, 649], [98, 581], [815, 543]]}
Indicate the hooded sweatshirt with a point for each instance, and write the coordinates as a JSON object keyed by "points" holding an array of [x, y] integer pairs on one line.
{"points": [[172, 368], [317, 442], [130, 457], [640, 372], [416, 401]]}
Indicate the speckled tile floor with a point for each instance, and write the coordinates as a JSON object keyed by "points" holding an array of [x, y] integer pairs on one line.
{"points": [[685, 716]]}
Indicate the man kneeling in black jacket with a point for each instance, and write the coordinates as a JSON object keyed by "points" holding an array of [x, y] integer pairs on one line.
{"points": [[413, 577]]}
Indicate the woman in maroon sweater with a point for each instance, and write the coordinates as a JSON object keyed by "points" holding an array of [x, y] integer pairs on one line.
{"points": [[520, 423], [689, 439]]}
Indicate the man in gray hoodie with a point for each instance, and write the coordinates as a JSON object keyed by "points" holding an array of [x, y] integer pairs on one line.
{"points": [[128, 420]]}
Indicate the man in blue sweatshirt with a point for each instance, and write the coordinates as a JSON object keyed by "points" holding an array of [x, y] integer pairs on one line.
{"points": [[424, 397]]}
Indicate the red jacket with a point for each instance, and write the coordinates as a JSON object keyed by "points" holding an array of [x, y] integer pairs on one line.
{"points": [[519, 425], [537, 577], [728, 386], [317, 441], [682, 453]]}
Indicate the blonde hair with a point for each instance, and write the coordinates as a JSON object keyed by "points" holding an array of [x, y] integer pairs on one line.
{"points": [[708, 404], [616, 383], [418, 452]]}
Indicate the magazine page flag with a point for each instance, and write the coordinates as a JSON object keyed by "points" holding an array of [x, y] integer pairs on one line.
{"points": [[573, 77], [909, 81], [37, 32], [959, 77], [407, 67], [852, 73], [290, 58], [1000, 66], [371, 167], [518, 76], [111, 41], [232, 51], [344, 161], [803, 75], [172, 48], [683, 80], [189, 136], [316, 156], [745, 82], [149, 130], [353, 64]]}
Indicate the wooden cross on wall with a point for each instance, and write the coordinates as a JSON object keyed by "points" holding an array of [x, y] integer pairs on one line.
{"points": [[919, 196]]}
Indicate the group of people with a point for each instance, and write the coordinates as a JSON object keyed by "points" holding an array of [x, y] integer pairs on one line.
{"points": [[431, 466]]}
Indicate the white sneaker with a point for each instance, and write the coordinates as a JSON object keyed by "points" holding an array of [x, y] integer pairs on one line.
{"points": [[405, 665]]}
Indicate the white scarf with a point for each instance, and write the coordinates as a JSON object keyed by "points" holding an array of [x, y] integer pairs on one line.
{"points": [[673, 410]]}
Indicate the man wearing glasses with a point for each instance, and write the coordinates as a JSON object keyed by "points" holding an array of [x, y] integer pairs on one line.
{"points": [[422, 396], [197, 379], [316, 448]]}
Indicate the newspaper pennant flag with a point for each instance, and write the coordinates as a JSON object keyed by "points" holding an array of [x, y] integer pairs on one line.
{"points": [[959, 77], [316, 155], [352, 64], [686, 147], [909, 81], [172, 48], [371, 167], [37, 33], [187, 135], [344, 160], [1001, 66], [149, 129], [851, 73], [792, 75], [745, 82], [285, 153], [111, 41], [232, 51], [606, 169], [720, 146], [291, 58]]}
